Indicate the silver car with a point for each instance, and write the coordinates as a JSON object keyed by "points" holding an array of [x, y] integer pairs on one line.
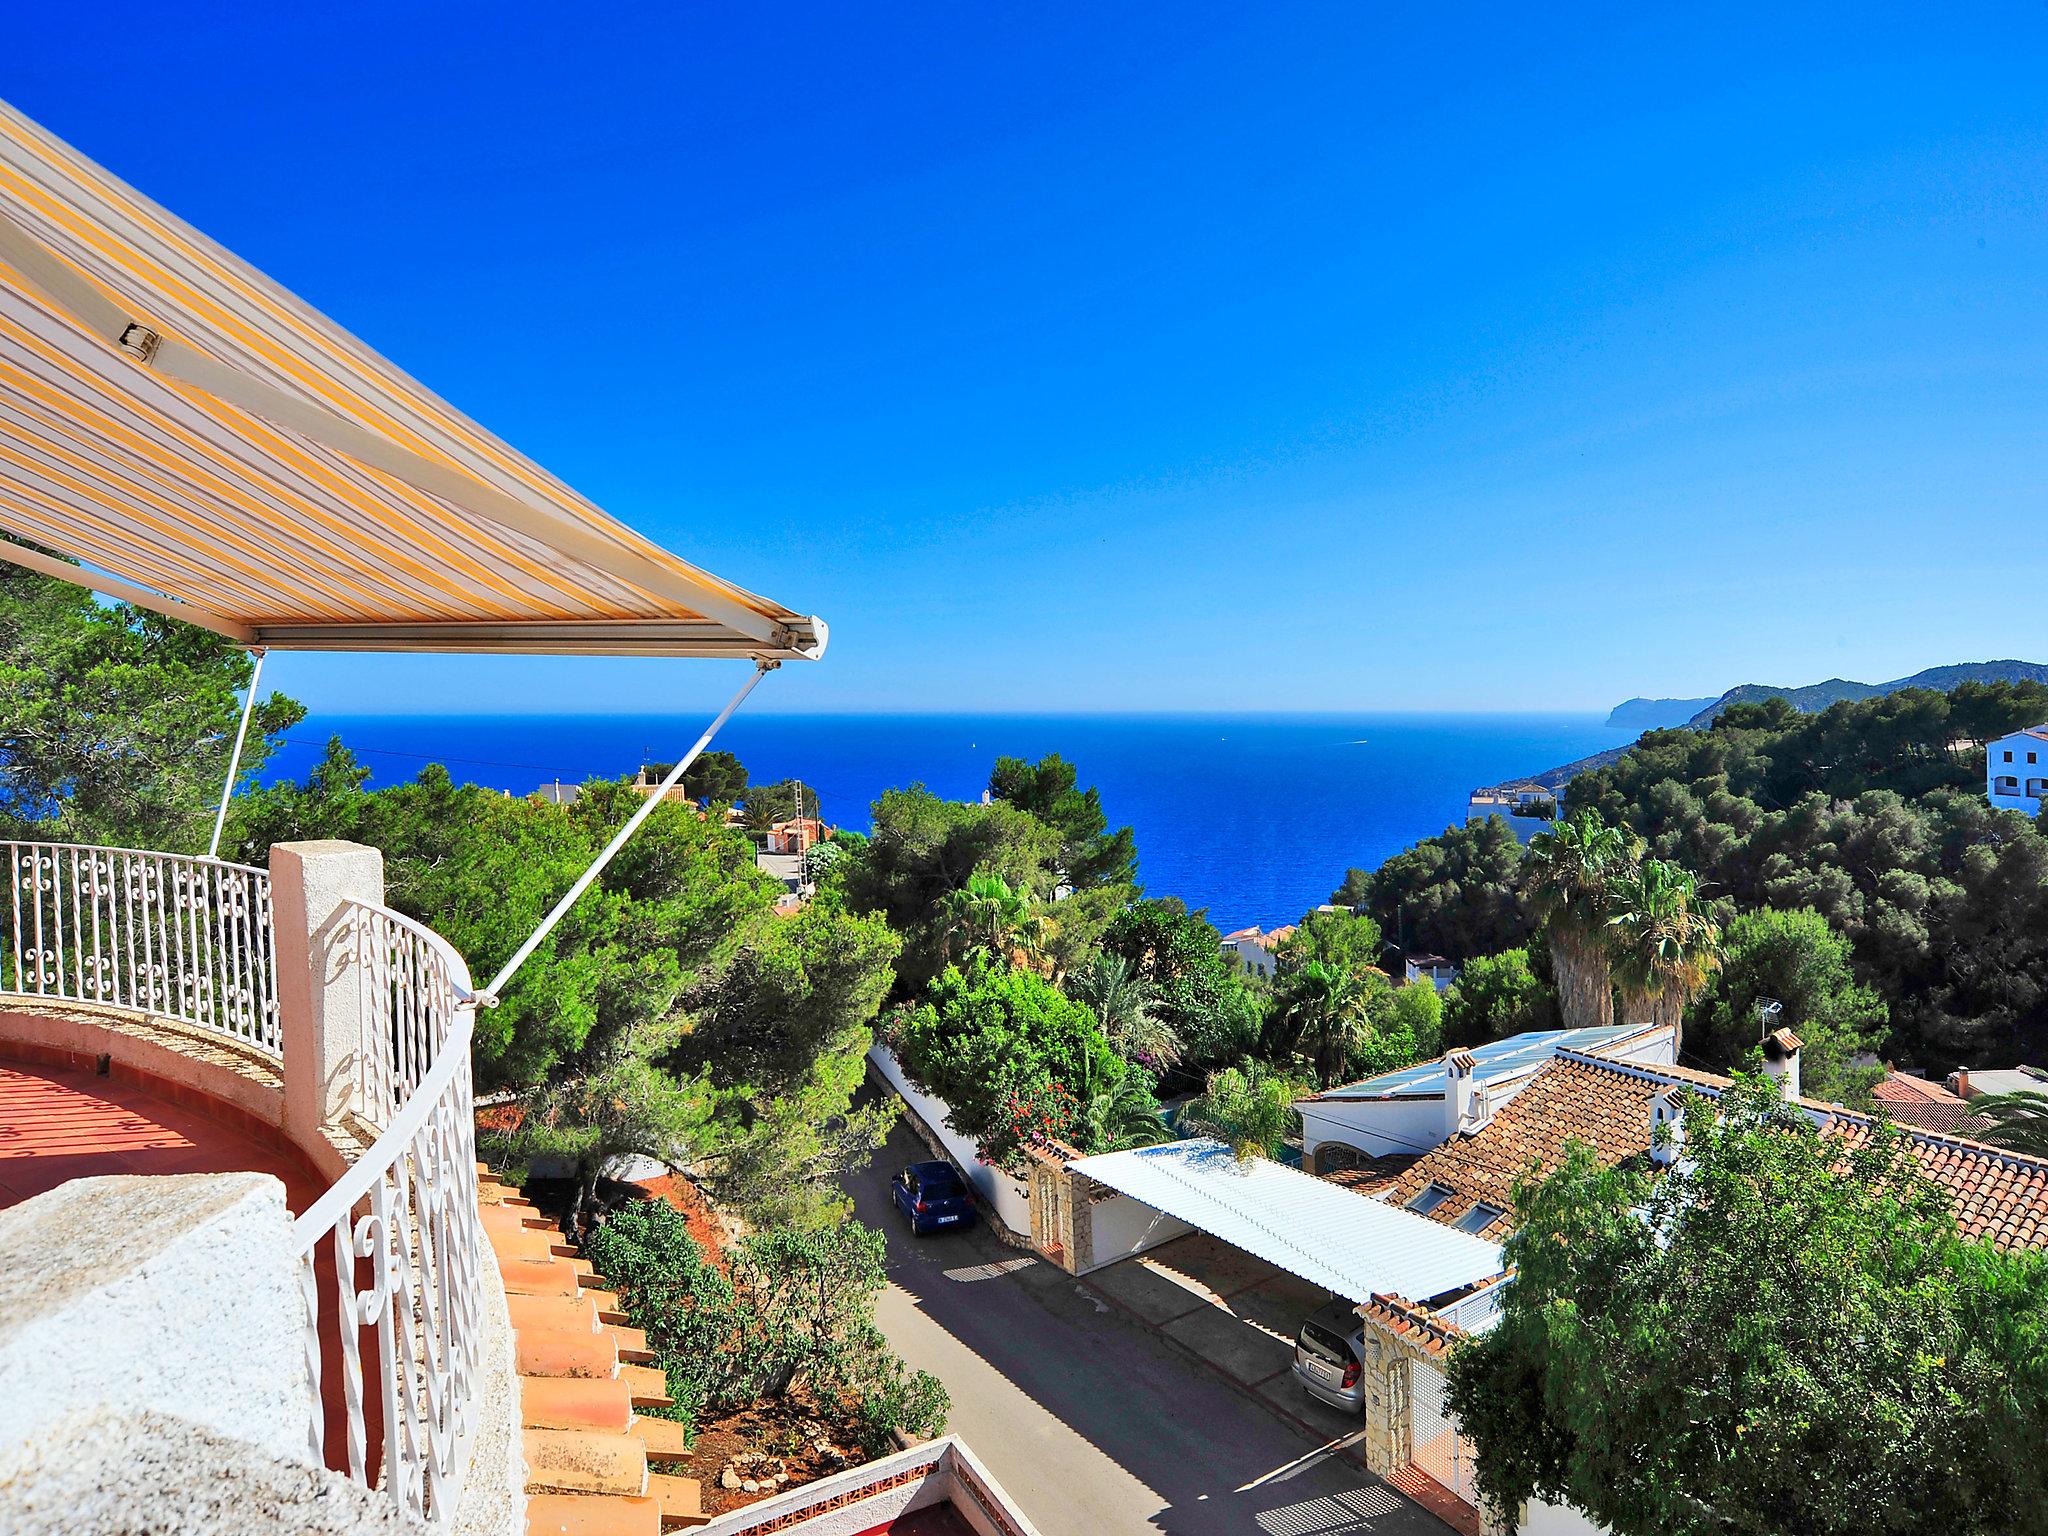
{"points": [[1329, 1355]]}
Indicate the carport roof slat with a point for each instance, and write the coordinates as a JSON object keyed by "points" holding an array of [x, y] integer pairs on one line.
{"points": [[1350, 1244]]}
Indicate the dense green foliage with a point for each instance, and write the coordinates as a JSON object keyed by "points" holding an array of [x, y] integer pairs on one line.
{"points": [[922, 849], [1249, 1108], [1796, 959], [992, 1035], [1496, 996], [1455, 894], [1774, 1340], [672, 1013], [795, 1313], [116, 725], [1090, 854], [1870, 813], [1873, 815], [1213, 1011]]}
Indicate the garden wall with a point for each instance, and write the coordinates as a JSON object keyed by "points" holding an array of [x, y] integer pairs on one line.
{"points": [[1003, 1195]]}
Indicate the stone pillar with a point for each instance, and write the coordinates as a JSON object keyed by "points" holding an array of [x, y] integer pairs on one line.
{"points": [[319, 993]]}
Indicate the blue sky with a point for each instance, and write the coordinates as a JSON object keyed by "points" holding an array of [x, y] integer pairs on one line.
{"points": [[1169, 356]]}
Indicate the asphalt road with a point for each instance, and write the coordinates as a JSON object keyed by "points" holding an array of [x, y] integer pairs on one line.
{"points": [[1092, 1423]]}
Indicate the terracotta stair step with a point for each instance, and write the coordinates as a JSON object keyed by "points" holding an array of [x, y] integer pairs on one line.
{"points": [[572, 1314], [491, 1192], [681, 1498], [509, 1218], [648, 1386], [576, 1402], [520, 1243], [633, 1345], [592, 1514], [537, 1277], [556, 1352], [584, 1461], [665, 1439]]}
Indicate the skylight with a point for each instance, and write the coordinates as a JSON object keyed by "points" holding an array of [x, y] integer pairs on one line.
{"points": [[1428, 1198]]}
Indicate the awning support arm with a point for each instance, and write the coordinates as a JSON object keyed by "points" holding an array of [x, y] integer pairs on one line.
{"points": [[490, 992], [227, 790]]}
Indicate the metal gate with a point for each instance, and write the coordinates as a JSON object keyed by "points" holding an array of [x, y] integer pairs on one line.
{"points": [[1434, 1445]]}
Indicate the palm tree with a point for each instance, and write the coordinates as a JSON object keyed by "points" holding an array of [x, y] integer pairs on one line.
{"points": [[2019, 1120], [1249, 1108], [1326, 1006], [1666, 943], [1122, 1003], [1111, 1116], [990, 918], [1569, 875]]}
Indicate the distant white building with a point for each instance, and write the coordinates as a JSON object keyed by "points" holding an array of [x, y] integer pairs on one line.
{"points": [[2016, 770], [1254, 950], [1434, 969], [559, 793], [1517, 804]]}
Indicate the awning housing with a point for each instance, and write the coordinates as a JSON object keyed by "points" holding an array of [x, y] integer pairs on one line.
{"points": [[208, 445], [1351, 1245]]}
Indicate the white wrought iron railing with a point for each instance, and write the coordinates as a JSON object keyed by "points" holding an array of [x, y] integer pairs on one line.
{"points": [[399, 1236], [187, 938]]}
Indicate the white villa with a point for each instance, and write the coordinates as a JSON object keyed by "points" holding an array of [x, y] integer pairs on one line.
{"points": [[2016, 770]]}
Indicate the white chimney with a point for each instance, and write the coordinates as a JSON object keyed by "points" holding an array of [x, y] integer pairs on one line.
{"points": [[1781, 1060], [1667, 1128], [1458, 1069]]}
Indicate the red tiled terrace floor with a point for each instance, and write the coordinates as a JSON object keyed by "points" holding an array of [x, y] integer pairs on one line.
{"points": [[60, 1123]]}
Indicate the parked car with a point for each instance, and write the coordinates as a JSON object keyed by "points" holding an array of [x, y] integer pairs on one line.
{"points": [[932, 1198], [1329, 1355]]}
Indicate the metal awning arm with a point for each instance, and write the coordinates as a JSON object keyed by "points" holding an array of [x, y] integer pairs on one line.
{"points": [[227, 790], [492, 990]]}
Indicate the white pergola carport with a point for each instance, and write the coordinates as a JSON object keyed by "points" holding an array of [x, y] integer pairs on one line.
{"points": [[1352, 1246]]}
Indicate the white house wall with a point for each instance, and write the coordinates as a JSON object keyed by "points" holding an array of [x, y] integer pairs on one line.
{"points": [[1122, 1227], [1376, 1127], [1005, 1195]]}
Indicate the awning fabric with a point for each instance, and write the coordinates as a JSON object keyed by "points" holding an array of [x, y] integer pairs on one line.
{"points": [[1352, 1246], [207, 445]]}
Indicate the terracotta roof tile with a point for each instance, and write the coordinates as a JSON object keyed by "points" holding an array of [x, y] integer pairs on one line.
{"points": [[1373, 1173], [1999, 1195]]}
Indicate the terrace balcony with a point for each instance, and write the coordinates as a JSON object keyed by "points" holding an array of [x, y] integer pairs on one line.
{"points": [[266, 1071]]}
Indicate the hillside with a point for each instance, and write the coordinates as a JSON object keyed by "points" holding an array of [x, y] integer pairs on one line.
{"points": [[1811, 700], [1815, 697], [1655, 714]]}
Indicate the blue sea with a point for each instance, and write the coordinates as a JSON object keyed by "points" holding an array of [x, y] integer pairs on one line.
{"points": [[1254, 817]]}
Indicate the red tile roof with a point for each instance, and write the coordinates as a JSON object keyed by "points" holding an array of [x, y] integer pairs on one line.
{"points": [[1999, 1195], [1929, 1105]]}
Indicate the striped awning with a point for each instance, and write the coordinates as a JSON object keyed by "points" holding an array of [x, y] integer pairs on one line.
{"points": [[205, 444]]}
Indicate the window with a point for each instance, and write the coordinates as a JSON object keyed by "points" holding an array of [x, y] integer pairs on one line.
{"points": [[1428, 1199], [2030, 757], [2008, 757], [1479, 1218]]}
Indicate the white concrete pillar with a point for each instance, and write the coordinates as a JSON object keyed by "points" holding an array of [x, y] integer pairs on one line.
{"points": [[319, 993]]}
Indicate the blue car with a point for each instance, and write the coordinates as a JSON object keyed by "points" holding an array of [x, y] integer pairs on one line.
{"points": [[932, 1198]]}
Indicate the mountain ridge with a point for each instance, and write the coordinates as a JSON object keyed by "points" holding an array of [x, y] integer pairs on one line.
{"points": [[1810, 699]]}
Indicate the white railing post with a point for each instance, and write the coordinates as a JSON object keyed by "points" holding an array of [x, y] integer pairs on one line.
{"points": [[316, 890]]}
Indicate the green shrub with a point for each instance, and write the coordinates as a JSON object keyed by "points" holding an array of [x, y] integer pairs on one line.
{"points": [[796, 1311]]}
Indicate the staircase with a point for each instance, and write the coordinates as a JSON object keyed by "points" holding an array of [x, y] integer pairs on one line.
{"points": [[595, 1465]]}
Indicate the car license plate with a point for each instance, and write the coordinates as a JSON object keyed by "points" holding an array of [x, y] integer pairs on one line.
{"points": [[944, 1219]]}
